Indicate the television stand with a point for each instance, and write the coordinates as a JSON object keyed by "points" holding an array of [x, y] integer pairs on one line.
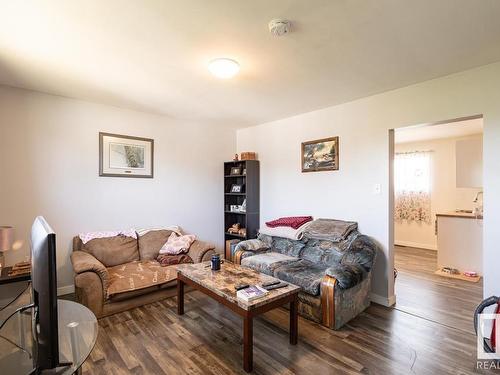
{"points": [[77, 336]]}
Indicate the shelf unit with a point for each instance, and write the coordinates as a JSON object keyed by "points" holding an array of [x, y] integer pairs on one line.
{"points": [[250, 182]]}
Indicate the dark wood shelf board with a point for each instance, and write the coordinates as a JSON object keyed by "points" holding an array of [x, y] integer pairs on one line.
{"points": [[235, 235], [233, 212], [235, 175], [235, 193]]}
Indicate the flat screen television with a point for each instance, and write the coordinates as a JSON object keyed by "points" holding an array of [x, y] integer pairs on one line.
{"points": [[44, 284]]}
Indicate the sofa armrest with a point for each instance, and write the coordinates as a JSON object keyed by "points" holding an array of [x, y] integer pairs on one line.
{"points": [[252, 245], [347, 275], [89, 291], [198, 250], [247, 248], [239, 255], [85, 262]]}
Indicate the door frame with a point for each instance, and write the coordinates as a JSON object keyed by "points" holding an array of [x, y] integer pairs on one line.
{"points": [[391, 192]]}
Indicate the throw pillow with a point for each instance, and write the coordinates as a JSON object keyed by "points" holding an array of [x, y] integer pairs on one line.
{"points": [[177, 244], [169, 260]]}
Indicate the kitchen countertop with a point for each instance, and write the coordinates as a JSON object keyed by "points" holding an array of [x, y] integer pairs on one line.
{"points": [[465, 215]]}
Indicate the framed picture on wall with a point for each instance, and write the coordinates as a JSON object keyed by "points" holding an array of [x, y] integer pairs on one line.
{"points": [[235, 171], [125, 156], [236, 188], [320, 155]]}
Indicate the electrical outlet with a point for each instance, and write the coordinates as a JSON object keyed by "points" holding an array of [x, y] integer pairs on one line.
{"points": [[377, 189]]}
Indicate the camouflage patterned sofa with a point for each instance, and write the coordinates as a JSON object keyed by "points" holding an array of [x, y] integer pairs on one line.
{"points": [[335, 276]]}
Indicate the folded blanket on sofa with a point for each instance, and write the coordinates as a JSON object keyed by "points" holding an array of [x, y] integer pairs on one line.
{"points": [[285, 232], [169, 260], [330, 229], [294, 222], [86, 237]]}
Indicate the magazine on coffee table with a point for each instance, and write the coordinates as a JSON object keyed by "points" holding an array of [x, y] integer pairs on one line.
{"points": [[251, 293]]}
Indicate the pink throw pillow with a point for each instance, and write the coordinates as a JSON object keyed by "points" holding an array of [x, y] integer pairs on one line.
{"points": [[177, 244]]}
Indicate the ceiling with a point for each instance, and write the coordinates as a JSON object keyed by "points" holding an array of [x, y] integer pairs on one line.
{"points": [[450, 130], [152, 55]]}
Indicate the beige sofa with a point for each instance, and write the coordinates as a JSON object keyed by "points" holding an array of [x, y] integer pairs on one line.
{"points": [[118, 273]]}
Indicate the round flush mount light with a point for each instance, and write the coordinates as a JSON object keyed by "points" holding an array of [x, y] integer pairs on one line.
{"points": [[224, 68]]}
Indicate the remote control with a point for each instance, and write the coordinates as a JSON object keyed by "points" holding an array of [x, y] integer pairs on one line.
{"points": [[269, 283], [241, 286], [276, 286]]}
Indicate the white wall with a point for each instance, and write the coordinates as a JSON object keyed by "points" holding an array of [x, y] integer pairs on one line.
{"points": [[363, 126], [445, 196], [49, 166]]}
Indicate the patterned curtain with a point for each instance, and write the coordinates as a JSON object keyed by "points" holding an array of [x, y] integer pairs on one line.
{"points": [[412, 171]]}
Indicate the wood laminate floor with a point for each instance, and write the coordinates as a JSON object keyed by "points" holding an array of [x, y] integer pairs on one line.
{"points": [[419, 291], [153, 339]]}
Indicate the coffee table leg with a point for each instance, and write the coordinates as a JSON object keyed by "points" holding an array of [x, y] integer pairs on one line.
{"points": [[248, 343], [180, 297], [294, 321]]}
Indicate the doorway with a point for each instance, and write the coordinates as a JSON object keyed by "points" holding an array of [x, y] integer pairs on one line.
{"points": [[436, 173]]}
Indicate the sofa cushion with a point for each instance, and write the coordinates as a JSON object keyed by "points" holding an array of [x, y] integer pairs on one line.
{"points": [[151, 242], [177, 244], [323, 251], [140, 292], [138, 275], [112, 251], [287, 246], [303, 273], [267, 262], [362, 252]]}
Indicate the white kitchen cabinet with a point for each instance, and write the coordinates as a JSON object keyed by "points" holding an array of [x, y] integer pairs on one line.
{"points": [[460, 241]]}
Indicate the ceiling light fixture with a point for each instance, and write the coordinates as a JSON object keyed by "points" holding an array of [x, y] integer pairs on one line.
{"points": [[224, 68]]}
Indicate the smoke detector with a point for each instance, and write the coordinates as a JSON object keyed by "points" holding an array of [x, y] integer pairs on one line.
{"points": [[279, 27]]}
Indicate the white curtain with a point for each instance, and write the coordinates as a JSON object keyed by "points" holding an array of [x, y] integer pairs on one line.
{"points": [[412, 174]]}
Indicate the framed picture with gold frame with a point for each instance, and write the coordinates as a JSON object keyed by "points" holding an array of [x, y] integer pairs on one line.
{"points": [[320, 155]]}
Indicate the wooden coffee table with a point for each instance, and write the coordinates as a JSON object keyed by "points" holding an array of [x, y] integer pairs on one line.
{"points": [[219, 285]]}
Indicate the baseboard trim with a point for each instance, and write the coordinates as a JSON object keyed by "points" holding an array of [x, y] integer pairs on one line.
{"points": [[384, 301], [68, 289], [416, 244]]}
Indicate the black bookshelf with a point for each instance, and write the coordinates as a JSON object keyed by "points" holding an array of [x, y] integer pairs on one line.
{"points": [[250, 192]]}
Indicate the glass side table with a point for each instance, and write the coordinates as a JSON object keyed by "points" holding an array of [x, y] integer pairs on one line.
{"points": [[77, 336]]}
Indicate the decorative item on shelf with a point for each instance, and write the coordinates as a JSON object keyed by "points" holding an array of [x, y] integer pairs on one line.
{"points": [[244, 173], [240, 208], [234, 229], [235, 157], [248, 156], [235, 188], [21, 268], [320, 155], [242, 232], [6, 241], [125, 156], [235, 171]]}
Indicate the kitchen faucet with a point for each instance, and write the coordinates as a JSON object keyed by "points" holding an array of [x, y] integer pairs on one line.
{"points": [[480, 193]]}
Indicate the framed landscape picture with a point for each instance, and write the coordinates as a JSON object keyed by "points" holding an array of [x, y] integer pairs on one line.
{"points": [[320, 155], [125, 156]]}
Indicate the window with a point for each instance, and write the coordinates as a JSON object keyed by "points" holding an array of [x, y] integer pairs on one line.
{"points": [[412, 174]]}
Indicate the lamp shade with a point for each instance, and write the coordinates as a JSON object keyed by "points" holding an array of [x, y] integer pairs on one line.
{"points": [[6, 238]]}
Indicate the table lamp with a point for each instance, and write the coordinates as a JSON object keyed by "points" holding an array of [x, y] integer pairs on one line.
{"points": [[6, 240]]}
